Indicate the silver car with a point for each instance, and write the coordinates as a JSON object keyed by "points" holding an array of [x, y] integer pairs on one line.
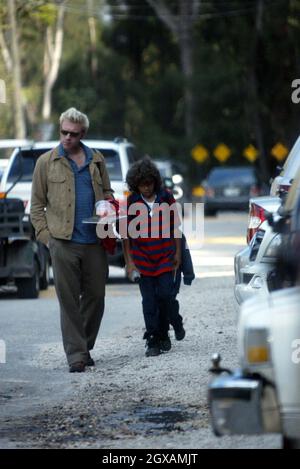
{"points": [[254, 264]]}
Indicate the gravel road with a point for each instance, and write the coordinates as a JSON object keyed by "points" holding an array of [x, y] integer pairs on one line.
{"points": [[128, 400]]}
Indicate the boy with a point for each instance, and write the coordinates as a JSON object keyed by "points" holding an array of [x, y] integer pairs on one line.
{"points": [[153, 250]]}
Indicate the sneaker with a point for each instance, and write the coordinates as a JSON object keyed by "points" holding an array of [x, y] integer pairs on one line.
{"points": [[153, 348], [165, 344], [179, 332], [77, 367], [90, 361]]}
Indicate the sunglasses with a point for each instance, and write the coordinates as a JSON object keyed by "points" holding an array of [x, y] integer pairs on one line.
{"points": [[72, 134]]}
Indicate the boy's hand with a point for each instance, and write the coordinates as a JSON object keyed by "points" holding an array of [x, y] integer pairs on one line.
{"points": [[130, 267]]}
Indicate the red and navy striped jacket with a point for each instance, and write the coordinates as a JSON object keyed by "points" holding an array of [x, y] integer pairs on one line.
{"points": [[154, 247]]}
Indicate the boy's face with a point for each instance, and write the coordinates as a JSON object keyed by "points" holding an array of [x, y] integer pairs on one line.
{"points": [[146, 188]]}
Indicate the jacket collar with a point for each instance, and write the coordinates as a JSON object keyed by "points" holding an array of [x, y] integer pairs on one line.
{"points": [[59, 152]]}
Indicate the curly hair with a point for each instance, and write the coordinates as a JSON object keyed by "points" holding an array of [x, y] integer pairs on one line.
{"points": [[143, 170]]}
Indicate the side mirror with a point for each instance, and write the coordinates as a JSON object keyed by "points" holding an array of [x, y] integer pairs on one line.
{"points": [[168, 183], [177, 178]]}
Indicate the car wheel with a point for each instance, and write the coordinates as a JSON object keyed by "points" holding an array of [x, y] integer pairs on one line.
{"points": [[45, 278], [290, 443], [210, 213], [29, 287]]}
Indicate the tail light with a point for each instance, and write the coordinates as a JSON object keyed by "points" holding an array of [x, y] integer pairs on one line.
{"points": [[254, 191], [256, 216], [25, 202], [283, 189]]}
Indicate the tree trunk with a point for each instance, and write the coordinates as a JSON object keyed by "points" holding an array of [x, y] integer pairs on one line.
{"points": [[5, 53], [93, 38], [253, 88], [186, 55], [53, 52], [182, 28], [19, 118]]}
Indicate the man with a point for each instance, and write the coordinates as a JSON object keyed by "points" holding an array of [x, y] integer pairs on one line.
{"points": [[67, 182]]}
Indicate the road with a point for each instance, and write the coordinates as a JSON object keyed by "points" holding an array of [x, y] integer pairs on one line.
{"points": [[127, 400]]}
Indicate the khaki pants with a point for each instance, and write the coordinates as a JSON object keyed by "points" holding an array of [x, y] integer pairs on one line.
{"points": [[80, 273]]}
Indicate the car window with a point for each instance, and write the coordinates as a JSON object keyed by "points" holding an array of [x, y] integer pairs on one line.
{"points": [[113, 164], [226, 176], [164, 168], [5, 153], [26, 164], [292, 162]]}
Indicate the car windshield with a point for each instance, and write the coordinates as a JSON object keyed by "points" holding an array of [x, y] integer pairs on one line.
{"points": [[227, 176], [26, 164], [164, 168], [113, 164]]}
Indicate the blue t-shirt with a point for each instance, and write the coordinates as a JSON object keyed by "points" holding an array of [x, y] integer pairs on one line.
{"points": [[84, 198]]}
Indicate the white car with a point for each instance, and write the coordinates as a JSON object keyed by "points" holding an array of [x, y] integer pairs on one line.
{"points": [[119, 155], [17, 178], [254, 264], [6, 148], [263, 395], [283, 181]]}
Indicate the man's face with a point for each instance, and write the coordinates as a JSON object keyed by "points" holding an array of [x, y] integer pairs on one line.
{"points": [[70, 135]]}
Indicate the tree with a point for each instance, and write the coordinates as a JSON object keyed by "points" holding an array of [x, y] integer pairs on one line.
{"points": [[182, 24], [93, 37], [52, 57], [13, 65]]}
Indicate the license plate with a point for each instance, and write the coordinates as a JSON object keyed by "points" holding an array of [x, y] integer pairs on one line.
{"points": [[231, 192]]}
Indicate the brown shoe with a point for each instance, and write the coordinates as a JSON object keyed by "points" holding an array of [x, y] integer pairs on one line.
{"points": [[77, 367], [90, 361]]}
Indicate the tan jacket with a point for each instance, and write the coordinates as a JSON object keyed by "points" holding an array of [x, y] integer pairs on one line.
{"points": [[53, 194]]}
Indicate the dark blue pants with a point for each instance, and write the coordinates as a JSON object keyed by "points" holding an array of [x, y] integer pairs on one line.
{"points": [[157, 294]]}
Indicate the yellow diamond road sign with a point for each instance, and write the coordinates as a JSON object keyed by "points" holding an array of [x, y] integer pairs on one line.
{"points": [[251, 153], [279, 151], [199, 153], [222, 152]]}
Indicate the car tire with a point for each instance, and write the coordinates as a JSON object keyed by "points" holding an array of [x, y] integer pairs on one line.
{"points": [[45, 278], [210, 213], [29, 287], [290, 443]]}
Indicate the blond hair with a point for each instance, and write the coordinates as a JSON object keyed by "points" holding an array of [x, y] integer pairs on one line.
{"points": [[75, 116]]}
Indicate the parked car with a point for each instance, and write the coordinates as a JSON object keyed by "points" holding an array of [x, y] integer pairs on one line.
{"points": [[283, 181], [230, 187], [262, 396], [119, 155], [171, 171], [6, 148], [254, 274], [254, 264], [279, 188]]}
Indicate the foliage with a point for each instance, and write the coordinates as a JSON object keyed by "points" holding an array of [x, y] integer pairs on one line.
{"points": [[241, 75]]}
